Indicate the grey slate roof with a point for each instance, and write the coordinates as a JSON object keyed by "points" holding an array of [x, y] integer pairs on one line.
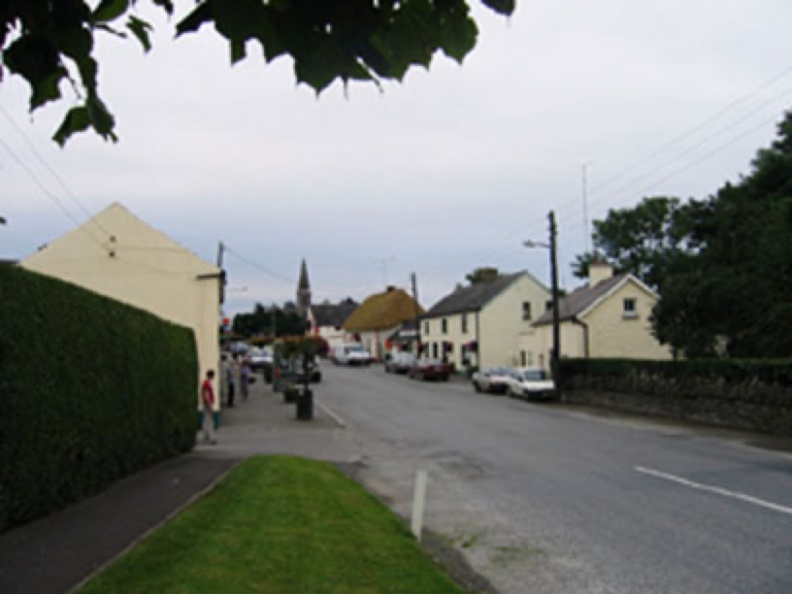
{"points": [[333, 315], [580, 300], [471, 298]]}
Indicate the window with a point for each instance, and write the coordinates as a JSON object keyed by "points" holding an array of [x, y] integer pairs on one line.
{"points": [[464, 323], [549, 305], [444, 326], [434, 350], [426, 328], [526, 310], [629, 310]]}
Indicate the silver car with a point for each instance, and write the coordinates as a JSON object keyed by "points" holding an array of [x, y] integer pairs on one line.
{"points": [[492, 379], [531, 383]]}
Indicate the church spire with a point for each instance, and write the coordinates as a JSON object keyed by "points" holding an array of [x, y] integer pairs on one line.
{"points": [[303, 290]]}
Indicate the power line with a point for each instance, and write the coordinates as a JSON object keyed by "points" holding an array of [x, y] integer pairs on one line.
{"points": [[53, 198], [687, 134]]}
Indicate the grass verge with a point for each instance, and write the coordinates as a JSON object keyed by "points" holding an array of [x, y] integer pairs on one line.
{"points": [[280, 525]]}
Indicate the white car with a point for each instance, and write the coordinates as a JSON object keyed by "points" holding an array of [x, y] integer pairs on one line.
{"points": [[351, 354], [259, 358], [530, 383]]}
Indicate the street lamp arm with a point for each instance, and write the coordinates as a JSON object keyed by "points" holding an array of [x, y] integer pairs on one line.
{"points": [[530, 243]]}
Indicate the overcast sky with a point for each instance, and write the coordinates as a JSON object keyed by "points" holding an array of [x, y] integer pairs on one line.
{"points": [[441, 174]]}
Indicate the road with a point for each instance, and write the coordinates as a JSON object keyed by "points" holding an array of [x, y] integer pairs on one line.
{"points": [[543, 499]]}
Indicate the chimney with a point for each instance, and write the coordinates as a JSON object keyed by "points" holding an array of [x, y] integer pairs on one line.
{"points": [[488, 274], [599, 270]]}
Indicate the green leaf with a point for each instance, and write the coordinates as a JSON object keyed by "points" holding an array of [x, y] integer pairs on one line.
{"points": [[140, 29], [88, 69], [238, 51], [166, 5], [47, 89], [195, 20], [238, 19], [457, 35], [38, 62], [109, 10], [269, 35], [75, 43], [101, 119], [322, 66], [501, 6], [76, 120]]}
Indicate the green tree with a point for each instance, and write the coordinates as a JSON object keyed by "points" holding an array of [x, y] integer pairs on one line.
{"points": [[260, 321], [641, 240], [50, 43], [731, 294]]}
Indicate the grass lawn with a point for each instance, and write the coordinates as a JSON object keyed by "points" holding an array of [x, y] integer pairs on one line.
{"points": [[280, 525]]}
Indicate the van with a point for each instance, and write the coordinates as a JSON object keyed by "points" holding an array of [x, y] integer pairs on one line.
{"points": [[351, 354]]}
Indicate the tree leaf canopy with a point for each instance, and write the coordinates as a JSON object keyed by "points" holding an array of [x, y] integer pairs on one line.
{"points": [[48, 43]]}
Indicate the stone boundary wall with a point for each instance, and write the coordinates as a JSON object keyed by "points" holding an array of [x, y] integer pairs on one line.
{"points": [[750, 405]]}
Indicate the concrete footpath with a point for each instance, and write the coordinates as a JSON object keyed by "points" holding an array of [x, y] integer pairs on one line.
{"points": [[58, 553]]}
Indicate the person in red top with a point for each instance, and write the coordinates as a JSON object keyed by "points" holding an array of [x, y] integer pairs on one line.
{"points": [[208, 407]]}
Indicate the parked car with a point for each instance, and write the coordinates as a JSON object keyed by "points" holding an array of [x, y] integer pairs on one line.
{"points": [[399, 362], [430, 369], [260, 357], [530, 383], [351, 354], [492, 379]]}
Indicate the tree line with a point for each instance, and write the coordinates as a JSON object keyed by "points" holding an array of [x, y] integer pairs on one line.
{"points": [[271, 321], [721, 265]]}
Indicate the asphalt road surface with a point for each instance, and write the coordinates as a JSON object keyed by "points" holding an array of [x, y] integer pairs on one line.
{"points": [[544, 499]]}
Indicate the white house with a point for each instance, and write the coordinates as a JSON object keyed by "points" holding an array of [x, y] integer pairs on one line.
{"points": [[607, 318], [119, 256], [482, 323]]}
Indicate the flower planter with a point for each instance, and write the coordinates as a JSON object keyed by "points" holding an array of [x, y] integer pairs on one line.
{"points": [[290, 393], [305, 405]]}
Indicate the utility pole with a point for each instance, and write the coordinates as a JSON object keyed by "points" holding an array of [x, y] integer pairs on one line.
{"points": [[586, 234], [417, 315], [555, 356], [220, 253]]}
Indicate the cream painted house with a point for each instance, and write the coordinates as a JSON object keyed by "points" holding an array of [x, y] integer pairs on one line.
{"points": [[119, 256], [483, 323], [607, 318]]}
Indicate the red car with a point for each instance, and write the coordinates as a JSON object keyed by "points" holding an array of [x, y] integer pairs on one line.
{"points": [[430, 369]]}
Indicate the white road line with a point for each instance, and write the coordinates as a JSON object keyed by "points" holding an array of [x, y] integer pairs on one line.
{"points": [[716, 490], [330, 413]]}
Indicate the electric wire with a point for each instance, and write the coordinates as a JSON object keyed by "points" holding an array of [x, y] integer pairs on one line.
{"points": [[51, 170], [50, 195]]}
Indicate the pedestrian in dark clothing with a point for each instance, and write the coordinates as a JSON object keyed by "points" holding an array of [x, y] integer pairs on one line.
{"points": [[229, 380]]}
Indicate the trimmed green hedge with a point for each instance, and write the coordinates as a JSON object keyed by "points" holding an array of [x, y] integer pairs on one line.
{"points": [[731, 371], [91, 390]]}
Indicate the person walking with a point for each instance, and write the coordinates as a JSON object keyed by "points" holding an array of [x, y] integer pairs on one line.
{"points": [[229, 381], [244, 379], [208, 408]]}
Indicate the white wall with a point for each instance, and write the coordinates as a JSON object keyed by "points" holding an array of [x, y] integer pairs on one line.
{"points": [[119, 256], [502, 322]]}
